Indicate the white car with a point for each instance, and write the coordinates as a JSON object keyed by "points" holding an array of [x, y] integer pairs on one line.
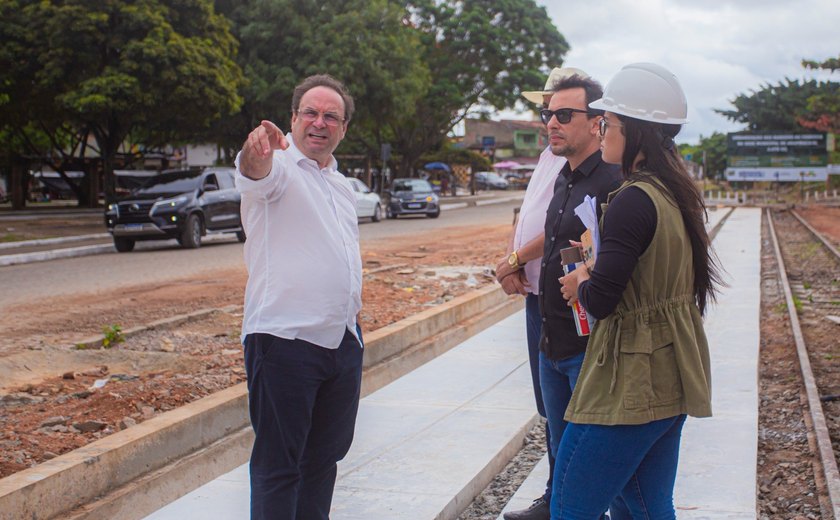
{"points": [[368, 204]]}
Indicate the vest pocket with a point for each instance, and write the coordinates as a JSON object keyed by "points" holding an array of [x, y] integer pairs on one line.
{"points": [[648, 367]]}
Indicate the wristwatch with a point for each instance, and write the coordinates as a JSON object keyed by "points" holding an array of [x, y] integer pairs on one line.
{"points": [[513, 261]]}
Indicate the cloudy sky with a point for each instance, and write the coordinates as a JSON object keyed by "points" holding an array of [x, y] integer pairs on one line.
{"points": [[717, 49]]}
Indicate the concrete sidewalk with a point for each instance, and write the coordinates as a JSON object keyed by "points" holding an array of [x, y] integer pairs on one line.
{"points": [[425, 444]]}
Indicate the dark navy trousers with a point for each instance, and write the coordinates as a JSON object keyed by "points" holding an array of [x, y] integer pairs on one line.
{"points": [[303, 401]]}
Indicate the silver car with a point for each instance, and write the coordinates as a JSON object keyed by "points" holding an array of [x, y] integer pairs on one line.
{"points": [[368, 204]]}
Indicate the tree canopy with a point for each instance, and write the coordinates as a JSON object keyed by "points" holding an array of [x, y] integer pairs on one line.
{"points": [[167, 72], [480, 53], [414, 68], [159, 68], [792, 105], [365, 44], [710, 153], [778, 107]]}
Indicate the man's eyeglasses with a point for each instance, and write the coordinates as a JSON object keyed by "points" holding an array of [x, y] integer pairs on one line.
{"points": [[330, 119], [603, 124], [563, 115]]}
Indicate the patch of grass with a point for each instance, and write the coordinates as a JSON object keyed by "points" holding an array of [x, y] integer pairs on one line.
{"points": [[113, 335], [781, 308], [806, 285], [811, 249], [797, 304], [11, 237]]}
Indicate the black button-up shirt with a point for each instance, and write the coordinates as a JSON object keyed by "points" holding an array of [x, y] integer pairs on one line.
{"points": [[592, 177]]}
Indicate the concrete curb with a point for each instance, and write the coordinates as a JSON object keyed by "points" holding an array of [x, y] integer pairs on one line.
{"points": [[48, 241], [54, 254], [119, 476], [174, 321], [454, 205], [72, 252], [481, 202]]}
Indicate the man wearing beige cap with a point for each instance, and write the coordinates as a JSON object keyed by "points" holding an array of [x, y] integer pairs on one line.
{"points": [[573, 135], [519, 270]]}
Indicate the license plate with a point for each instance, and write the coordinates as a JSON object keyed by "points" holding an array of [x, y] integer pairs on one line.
{"points": [[414, 206], [134, 226]]}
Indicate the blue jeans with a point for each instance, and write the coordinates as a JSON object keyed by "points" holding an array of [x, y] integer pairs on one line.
{"points": [[557, 380], [629, 468], [303, 401], [533, 324]]}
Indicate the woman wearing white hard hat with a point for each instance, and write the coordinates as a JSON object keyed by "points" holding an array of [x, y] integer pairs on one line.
{"points": [[647, 362]]}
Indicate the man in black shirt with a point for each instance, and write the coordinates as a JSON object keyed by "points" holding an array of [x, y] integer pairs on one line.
{"points": [[573, 133]]}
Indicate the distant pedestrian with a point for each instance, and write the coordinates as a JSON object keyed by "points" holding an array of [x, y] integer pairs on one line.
{"points": [[303, 344], [647, 363]]}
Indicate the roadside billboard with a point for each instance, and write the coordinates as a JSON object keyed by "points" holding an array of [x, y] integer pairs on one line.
{"points": [[776, 156]]}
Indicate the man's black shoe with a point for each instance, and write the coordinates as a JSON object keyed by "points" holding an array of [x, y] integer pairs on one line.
{"points": [[539, 510]]}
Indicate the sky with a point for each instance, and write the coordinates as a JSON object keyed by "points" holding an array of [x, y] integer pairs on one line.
{"points": [[717, 49]]}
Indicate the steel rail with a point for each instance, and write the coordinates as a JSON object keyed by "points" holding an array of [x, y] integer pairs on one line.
{"points": [[826, 452]]}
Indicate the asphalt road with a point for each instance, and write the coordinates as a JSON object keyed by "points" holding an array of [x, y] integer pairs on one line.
{"points": [[157, 262]]}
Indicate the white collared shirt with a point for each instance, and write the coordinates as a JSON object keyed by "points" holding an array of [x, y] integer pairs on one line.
{"points": [[302, 251], [531, 222]]}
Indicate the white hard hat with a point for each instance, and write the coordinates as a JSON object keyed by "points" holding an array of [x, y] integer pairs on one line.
{"points": [[645, 91], [557, 73]]}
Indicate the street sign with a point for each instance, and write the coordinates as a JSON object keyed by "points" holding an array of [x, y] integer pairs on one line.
{"points": [[776, 156]]}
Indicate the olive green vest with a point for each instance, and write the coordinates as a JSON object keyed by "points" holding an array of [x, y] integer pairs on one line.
{"points": [[649, 359]]}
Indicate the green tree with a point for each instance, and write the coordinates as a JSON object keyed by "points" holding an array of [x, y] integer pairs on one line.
{"points": [[711, 154], [823, 109], [481, 53], [158, 70], [831, 64], [415, 68], [778, 107], [365, 44]]}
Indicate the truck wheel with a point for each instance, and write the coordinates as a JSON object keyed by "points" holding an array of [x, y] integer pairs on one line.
{"points": [[191, 235], [377, 214], [123, 245]]}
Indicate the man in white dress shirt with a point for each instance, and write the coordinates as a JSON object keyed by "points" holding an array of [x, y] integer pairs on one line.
{"points": [[303, 346]]}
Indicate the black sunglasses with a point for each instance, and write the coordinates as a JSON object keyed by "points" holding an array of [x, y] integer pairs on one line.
{"points": [[563, 115]]}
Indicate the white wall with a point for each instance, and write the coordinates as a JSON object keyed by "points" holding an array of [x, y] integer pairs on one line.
{"points": [[201, 155]]}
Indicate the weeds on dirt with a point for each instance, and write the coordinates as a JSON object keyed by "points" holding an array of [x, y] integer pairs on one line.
{"points": [[113, 335], [10, 237]]}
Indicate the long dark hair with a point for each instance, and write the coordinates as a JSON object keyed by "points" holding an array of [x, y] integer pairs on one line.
{"points": [[662, 160]]}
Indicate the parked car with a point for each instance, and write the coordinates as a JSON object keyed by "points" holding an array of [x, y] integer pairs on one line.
{"points": [[517, 181], [181, 204], [490, 181], [368, 204], [411, 197]]}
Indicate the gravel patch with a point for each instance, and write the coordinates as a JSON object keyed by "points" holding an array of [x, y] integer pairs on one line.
{"points": [[490, 502]]}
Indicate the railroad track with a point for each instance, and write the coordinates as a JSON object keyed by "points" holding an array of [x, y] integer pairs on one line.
{"points": [[808, 266]]}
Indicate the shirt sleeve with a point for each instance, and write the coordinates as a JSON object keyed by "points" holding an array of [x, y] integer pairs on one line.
{"points": [[629, 226], [267, 188]]}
